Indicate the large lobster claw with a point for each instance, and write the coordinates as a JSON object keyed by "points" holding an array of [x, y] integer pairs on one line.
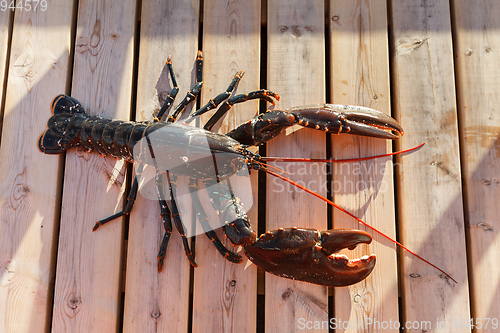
{"points": [[308, 255], [350, 119], [330, 118]]}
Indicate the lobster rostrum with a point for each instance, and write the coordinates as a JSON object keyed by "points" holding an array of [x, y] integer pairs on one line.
{"points": [[302, 254]]}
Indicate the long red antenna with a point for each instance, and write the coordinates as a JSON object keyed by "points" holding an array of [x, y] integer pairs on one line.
{"points": [[351, 215], [332, 160]]}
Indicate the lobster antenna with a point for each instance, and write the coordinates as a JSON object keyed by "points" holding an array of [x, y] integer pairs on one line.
{"points": [[275, 168], [351, 215], [332, 160]]}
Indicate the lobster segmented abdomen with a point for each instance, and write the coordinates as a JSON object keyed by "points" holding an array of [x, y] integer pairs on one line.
{"points": [[189, 151], [70, 127]]}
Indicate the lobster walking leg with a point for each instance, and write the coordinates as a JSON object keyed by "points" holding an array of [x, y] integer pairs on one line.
{"points": [[193, 93], [176, 216], [214, 102], [224, 108], [165, 212], [202, 217], [165, 215], [171, 97], [168, 215], [130, 200]]}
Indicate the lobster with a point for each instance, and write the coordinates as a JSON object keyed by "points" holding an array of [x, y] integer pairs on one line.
{"points": [[296, 253]]}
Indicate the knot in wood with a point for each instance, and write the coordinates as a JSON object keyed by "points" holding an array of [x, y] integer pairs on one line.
{"points": [[156, 313], [74, 301], [286, 294]]}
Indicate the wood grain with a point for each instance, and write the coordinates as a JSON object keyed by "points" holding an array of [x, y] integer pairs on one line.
{"points": [[360, 76], [296, 67], [30, 181], [225, 294], [478, 82], [87, 287], [430, 193], [159, 302]]}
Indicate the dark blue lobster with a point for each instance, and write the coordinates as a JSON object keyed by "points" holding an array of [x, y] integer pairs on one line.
{"points": [[296, 253]]}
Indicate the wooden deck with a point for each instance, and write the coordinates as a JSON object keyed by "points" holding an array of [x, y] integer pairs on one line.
{"points": [[433, 64]]}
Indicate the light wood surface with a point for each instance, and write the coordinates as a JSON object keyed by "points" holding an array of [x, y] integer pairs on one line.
{"points": [[478, 83], [433, 64], [231, 43], [296, 66], [159, 302], [30, 181], [430, 191], [360, 75], [87, 289]]}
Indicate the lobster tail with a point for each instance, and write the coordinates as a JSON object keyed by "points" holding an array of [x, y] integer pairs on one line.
{"points": [[48, 143], [65, 104], [64, 126], [71, 127]]}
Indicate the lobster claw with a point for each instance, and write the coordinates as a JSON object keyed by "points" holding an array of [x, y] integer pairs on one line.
{"points": [[310, 256], [331, 118], [357, 120]]}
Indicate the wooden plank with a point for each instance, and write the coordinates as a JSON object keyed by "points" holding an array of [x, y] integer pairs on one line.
{"points": [[296, 70], [478, 77], [87, 290], [225, 294], [6, 18], [159, 302], [360, 76], [29, 180], [430, 194]]}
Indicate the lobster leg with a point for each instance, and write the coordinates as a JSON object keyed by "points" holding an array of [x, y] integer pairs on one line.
{"points": [[202, 217], [165, 215], [213, 103], [330, 118], [176, 216], [230, 101], [193, 93], [224, 108], [171, 97], [130, 200]]}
